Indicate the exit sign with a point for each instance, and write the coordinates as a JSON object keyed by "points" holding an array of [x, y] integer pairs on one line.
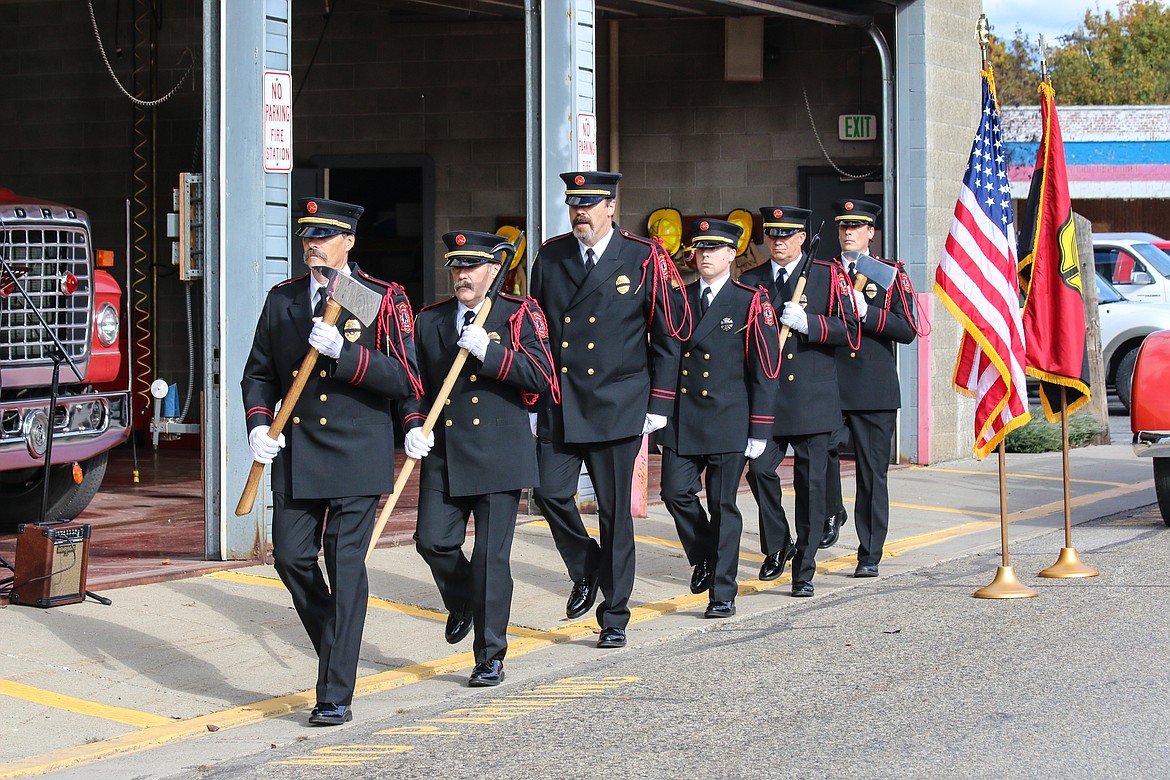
{"points": [[856, 127]]}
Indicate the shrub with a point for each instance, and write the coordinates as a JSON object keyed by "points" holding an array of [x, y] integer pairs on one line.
{"points": [[1039, 435]]}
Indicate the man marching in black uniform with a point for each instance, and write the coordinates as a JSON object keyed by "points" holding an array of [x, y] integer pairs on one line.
{"points": [[808, 409], [870, 394], [604, 291], [484, 453], [724, 413], [338, 456]]}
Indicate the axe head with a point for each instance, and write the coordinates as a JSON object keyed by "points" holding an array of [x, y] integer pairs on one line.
{"points": [[353, 296], [871, 268]]}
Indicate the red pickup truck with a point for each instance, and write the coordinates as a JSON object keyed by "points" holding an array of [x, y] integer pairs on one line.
{"points": [[1149, 415]]}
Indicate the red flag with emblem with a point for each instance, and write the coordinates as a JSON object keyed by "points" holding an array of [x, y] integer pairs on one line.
{"points": [[1050, 276]]}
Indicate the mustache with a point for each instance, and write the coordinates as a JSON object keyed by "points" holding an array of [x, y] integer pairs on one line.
{"points": [[459, 285], [314, 252]]}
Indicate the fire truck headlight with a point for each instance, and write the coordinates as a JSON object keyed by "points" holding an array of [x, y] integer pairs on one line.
{"points": [[35, 429], [107, 325]]}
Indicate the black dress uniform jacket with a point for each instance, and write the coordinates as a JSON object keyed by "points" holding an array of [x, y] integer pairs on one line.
{"points": [[808, 372], [340, 441], [725, 392], [610, 374], [483, 443], [868, 374]]}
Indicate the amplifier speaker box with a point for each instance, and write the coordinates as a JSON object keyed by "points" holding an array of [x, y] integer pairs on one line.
{"points": [[51, 563]]}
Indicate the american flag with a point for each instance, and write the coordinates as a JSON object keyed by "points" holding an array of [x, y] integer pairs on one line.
{"points": [[977, 280]]}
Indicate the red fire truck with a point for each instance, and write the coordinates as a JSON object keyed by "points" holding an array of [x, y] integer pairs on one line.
{"points": [[51, 287]]}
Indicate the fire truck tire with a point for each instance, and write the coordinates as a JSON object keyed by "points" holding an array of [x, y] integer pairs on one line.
{"points": [[67, 499], [1162, 487]]}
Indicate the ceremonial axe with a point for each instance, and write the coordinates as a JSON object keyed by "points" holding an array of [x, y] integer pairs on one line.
{"points": [[341, 291], [869, 269]]}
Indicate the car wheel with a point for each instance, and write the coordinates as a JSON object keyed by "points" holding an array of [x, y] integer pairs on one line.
{"points": [[1162, 487], [1124, 378]]}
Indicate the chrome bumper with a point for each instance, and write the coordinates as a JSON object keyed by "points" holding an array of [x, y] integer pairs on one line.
{"points": [[1152, 444], [83, 426]]}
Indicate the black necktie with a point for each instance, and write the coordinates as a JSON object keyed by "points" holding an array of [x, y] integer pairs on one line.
{"points": [[705, 301], [468, 316], [590, 259], [782, 277], [319, 307], [851, 271]]}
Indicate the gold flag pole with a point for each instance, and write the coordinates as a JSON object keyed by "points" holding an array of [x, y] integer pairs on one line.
{"points": [[1068, 565], [1005, 585]]}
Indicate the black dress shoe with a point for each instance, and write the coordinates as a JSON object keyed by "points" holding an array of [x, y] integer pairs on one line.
{"points": [[702, 577], [719, 609], [458, 626], [582, 596], [612, 637], [774, 564], [486, 674], [803, 588], [326, 714], [833, 529], [866, 570]]}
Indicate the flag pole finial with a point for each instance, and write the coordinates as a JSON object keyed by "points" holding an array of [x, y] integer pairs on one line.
{"points": [[983, 33], [1043, 58]]}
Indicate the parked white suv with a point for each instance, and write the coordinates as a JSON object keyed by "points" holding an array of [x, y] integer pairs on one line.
{"points": [[1124, 325], [1134, 264]]}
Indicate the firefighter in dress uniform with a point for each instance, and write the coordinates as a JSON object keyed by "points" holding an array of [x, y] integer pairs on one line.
{"points": [[337, 458], [807, 410], [483, 454], [724, 412], [616, 315], [870, 393]]}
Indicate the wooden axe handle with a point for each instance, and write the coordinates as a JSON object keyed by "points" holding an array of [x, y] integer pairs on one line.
{"points": [[332, 312], [859, 281], [428, 426], [796, 293]]}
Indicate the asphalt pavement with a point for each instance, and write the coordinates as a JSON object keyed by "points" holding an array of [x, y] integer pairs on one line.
{"points": [[905, 675]]}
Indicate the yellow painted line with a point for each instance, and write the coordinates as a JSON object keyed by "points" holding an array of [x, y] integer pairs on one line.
{"points": [[374, 601], [657, 541], [1011, 475], [80, 706], [157, 736]]}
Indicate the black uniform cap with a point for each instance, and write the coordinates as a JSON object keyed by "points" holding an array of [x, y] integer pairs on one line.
{"points": [[327, 217], [781, 221], [470, 247], [585, 188], [709, 233], [851, 211]]}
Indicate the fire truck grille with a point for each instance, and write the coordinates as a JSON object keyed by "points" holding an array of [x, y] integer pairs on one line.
{"points": [[45, 262]]}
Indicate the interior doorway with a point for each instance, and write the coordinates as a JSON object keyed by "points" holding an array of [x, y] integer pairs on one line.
{"points": [[820, 186]]}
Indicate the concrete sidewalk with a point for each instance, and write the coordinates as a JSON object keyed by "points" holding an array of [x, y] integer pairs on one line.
{"points": [[182, 674]]}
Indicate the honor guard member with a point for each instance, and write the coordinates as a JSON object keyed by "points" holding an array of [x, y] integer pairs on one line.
{"points": [[616, 314], [337, 458], [482, 453], [807, 410], [870, 395], [724, 412]]}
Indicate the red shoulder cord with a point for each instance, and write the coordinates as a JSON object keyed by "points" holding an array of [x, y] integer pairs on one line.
{"points": [[398, 313], [761, 307], [839, 276], [531, 309], [913, 317], [666, 277]]}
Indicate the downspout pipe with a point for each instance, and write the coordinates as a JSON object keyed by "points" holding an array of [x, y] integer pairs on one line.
{"points": [[889, 187]]}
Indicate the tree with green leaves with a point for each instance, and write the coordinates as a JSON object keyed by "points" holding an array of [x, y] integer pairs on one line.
{"points": [[1108, 60]]}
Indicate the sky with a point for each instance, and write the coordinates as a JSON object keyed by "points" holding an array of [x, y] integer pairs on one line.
{"points": [[1051, 18]]}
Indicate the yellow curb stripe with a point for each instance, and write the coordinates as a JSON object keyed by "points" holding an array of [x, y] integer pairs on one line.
{"points": [[1011, 475], [156, 736], [657, 541], [80, 706]]}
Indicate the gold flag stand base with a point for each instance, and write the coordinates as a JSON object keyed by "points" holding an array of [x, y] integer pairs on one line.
{"points": [[1068, 566], [1005, 586]]}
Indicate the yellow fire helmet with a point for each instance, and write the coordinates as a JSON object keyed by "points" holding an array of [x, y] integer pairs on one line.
{"points": [[666, 226], [510, 232], [744, 220]]}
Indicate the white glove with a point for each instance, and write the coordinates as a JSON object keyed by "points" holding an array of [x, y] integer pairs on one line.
{"points": [[860, 306], [755, 448], [264, 448], [654, 422], [474, 339], [532, 422], [416, 445], [794, 317], [326, 339]]}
